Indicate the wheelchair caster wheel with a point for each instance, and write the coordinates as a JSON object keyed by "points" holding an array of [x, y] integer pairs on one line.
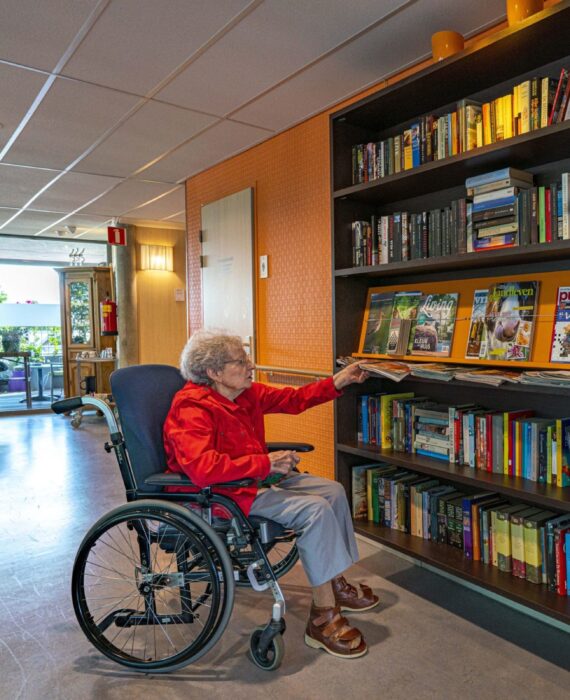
{"points": [[273, 657]]}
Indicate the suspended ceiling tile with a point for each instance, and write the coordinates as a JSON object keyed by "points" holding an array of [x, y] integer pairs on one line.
{"points": [[383, 51], [150, 132], [19, 184], [5, 214], [126, 196], [21, 86], [72, 116], [214, 145], [178, 218], [136, 43], [161, 208], [286, 35], [37, 33], [30, 222], [72, 190]]}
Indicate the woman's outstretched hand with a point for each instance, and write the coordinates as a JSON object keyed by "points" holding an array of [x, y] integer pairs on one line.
{"points": [[351, 374]]}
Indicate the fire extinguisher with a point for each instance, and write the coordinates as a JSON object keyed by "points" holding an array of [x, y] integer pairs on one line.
{"points": [[108, 317]]}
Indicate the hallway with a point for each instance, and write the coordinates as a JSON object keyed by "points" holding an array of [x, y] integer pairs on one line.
{"points": [[429, 632]]}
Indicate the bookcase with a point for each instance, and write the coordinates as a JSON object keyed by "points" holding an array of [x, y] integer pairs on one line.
{"points": [[539, 46]]}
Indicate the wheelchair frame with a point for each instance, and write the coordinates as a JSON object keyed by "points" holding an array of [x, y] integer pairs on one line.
{"points": [[228, 547]]}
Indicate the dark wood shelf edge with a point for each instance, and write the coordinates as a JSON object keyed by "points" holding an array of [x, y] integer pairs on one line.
{"points": [[512, 487], [452, 561], [366, 190], [464, 261]]}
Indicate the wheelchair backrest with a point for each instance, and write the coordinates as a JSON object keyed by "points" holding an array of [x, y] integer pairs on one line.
{"points": [[143, 395]]}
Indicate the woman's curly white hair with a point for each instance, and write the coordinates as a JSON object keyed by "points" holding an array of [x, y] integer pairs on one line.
{"points": [[207, 349]]}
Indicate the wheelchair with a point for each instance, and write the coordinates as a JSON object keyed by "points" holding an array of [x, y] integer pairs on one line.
{"points": [[154, 580]]}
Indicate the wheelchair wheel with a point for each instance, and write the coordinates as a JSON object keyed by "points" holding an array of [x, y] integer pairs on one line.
{"points": [[272, 658], [282, 554], [152, 586]]}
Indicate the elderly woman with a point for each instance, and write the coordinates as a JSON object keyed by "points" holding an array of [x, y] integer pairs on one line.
{"points": [[215, 432]]}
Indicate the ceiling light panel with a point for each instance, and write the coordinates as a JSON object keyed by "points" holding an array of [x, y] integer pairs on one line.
{"points": [[72, 116], [150, 132], [136, 43]]}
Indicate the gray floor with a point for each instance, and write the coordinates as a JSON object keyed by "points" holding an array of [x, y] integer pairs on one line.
{"points": [[431, 638]]}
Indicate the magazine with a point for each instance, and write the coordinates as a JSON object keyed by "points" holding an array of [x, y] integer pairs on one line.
{"points": [[493, 377], [547, 378], [434, 370], [404, 313], [509, 320], [476, 337], [433, 332], [378, 315], [391, 370], [560, 346]]}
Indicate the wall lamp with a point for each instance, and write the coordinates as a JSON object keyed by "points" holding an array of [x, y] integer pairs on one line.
{"points": [[156, 257]]}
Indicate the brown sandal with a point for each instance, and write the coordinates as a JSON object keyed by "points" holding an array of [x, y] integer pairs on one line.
{"points": [[346, 596], [328, 630]]}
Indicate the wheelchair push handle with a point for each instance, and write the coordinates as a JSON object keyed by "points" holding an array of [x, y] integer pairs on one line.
{"points": [[76, 402], [67, 405]]}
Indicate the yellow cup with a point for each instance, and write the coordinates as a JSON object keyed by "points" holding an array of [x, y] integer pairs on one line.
{"points": [[446, 43], [517, 10]]}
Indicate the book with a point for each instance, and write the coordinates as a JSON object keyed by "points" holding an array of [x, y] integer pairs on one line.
{"points": [[509, 320], [517, 540], [496, 176], [386, 440], [503, 535], [475, 339], [433, 332], [360, 492], [404, 312], [560, 344], [377, 316], [532, 545]]}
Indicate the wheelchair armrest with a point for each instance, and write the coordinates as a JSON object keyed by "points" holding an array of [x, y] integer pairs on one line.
{"points": [[182, 480], [297, 446]]}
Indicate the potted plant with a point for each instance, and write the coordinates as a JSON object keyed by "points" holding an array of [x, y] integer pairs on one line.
{"points": [[11, 338]]}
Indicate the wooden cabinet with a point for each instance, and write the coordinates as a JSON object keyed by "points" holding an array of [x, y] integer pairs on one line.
{"points": [[485, 71], [82, 289]]}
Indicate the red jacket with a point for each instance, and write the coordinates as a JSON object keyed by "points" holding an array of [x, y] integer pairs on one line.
{"points": [[212, 439]]}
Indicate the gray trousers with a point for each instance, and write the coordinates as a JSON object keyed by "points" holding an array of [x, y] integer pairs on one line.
{"points": [[317, 509]]}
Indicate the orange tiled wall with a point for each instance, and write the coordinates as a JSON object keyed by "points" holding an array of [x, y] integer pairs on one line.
{"points": [[290, 175]]}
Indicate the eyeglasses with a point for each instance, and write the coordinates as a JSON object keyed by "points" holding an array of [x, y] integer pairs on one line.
{"points": [[242, 362]]}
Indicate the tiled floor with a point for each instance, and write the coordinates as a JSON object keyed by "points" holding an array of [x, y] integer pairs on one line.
{"points": [[430, 638]]}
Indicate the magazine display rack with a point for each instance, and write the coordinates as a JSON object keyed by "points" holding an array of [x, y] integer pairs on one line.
{"points": [[482, 72]]}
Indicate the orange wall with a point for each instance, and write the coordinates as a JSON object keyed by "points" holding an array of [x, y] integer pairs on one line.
{"points": [[290, 174]]}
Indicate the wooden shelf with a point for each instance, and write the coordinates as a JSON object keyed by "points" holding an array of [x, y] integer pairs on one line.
{"points": [[488, 68], [452, 561], [524, 151], [509, 256], [512, 487]]}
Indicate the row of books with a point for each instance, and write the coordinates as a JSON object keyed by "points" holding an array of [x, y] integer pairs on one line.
{"points": [[501, 322], [532, 104], [511, 443], [526, 541], [507, 216]]}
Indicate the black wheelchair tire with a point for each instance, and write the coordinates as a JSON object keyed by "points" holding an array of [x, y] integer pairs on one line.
{"points": [[275, 653], [210, 547]]}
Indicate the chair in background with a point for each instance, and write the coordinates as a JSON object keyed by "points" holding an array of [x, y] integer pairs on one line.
{"points": [[56, 376]]}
